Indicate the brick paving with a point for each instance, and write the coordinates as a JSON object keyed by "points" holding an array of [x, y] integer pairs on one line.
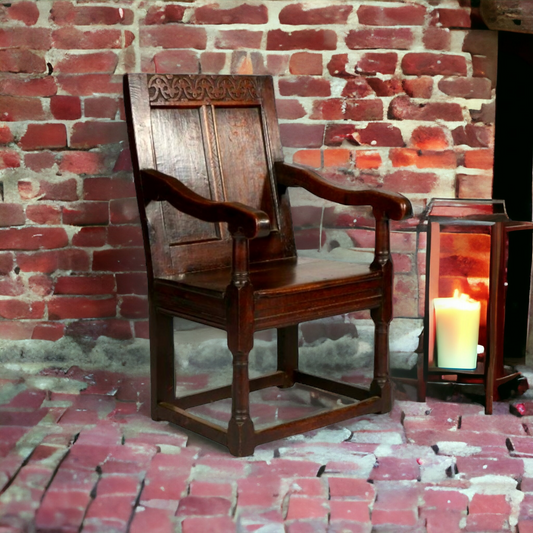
{"points": [[79, 453]]}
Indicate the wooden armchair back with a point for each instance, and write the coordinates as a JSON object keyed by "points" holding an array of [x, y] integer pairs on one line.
{"points": [[219, 136]]}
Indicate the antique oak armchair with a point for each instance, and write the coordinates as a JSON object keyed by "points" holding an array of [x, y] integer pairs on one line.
{"points": [[216, 221]]}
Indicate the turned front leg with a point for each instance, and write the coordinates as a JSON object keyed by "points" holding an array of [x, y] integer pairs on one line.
{"points": [[239, 297]]}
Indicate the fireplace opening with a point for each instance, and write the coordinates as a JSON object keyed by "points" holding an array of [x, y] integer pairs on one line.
{"points": [[513, 173]]}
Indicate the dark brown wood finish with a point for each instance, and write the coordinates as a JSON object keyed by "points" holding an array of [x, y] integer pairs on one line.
{"points": [[213, 200]]}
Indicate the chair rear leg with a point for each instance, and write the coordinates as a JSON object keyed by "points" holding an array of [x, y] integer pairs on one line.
{"points": [[162, 365], [381, 385], [288, 352]]}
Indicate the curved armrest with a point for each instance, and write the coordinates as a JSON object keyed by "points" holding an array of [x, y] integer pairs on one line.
{"points": [[241, 219], [384, 203]]}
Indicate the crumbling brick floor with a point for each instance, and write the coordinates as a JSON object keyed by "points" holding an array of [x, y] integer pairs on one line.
{"points": [[79, 453]]}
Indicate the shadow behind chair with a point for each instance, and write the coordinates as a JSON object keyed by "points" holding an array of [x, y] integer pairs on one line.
{"points": [[216, 221]]}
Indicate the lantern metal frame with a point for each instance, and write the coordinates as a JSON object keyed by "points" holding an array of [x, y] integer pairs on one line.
{"points": [[478, 216]]}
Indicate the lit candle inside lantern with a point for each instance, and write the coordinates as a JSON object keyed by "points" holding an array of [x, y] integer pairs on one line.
{"points": [[457, 331]]}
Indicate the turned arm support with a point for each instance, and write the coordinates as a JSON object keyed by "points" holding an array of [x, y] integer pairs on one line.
{"points": [[385, 204], [241, 219]]}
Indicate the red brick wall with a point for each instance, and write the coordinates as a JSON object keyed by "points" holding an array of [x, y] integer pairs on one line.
{"points": [[387, 94]]}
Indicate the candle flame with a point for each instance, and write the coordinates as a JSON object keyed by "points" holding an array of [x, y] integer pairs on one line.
{"points": [[462, 296]]}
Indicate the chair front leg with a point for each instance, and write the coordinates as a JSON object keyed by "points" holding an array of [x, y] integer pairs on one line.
{"points": [[162, 365], [288, 352], [240, 320]]}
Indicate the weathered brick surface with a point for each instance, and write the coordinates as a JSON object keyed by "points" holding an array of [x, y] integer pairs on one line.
{"points": [[359, 88]]}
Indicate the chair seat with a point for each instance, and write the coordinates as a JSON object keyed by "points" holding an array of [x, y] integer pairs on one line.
{"points": [[285, 291]]}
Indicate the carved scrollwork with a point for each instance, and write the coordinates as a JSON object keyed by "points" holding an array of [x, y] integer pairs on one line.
{"points": [[165, 88]]}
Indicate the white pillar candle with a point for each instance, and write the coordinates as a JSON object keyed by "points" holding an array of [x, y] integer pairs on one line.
{"points": [[457, 331]]}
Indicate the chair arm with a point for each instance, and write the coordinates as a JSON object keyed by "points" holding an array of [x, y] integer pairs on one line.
{"points": [[384, 203], [241, 219]]}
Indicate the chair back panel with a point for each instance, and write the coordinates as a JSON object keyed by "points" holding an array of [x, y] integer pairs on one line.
{"points": [[218, 135]]}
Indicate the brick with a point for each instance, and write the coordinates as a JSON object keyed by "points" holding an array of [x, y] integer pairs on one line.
{"points": [[119, 260], [93, 329], [374, 62], [451, 18], [466, 87], [364, 110], [304, 86], [65, 190], [100, 107], [16, 109], [380, 38], [32, 238], [31, 38], [301, 135], [74, 39], [39, 161], [91, 134], [40, 284], [203, 506], [450, 500], [409, 15], [85, 285], [297, 14], [88, 63], [164, 14], [389, 87], [11, 286], [404, 157], [15, 330], [486, 523], [107, 188], [301, 39], [359, 489], [65, 107], [357, 88], [159, 521], [302, 507], [476, 136], [355, 511], [337, 66], [483, 158], [142, 330], [124, 236], [243, 14], [236, 39], [367, 159], [489, 503], [62, 307], [39, 136], [379, 134], [410, 182], [25, 12], [134, 307], [82, 162], [338, 158], [305, 63], [131, 283], [429, 138], [5, 135], [173, 37], [124, 211], [437, 39], [396, 517], [485, 466], [48, 262], [290, 109], [90, 237], [421, 87], [21, 61], [11, 215], [89, 84], [67, 14], [44, 214], [219, 524], [178, 61], [402, 108], [18, 309], [336, 134], [9, 159], [86, 214], [6, 262], [16, 86], [474, 186], [438, 521], [429, 64], [212, 62]]}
